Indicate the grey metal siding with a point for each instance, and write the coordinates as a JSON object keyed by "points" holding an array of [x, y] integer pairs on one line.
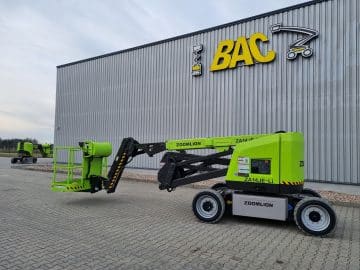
{"points": [[149, 93]]}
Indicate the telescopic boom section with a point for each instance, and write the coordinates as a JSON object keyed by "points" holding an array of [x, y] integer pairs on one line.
{"points": [[218, 143]]}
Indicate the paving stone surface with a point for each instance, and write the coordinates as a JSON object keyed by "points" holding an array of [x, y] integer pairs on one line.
{"points": [[141, 227]]}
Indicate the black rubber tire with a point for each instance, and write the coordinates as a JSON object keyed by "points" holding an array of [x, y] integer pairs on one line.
{"points": [[322, 205], [213, 197], [13, 160], [310, 192], [34, 160], [222, 188]]}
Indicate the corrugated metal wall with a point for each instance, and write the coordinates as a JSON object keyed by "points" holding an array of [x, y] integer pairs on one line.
{"points": [[149, 93]]}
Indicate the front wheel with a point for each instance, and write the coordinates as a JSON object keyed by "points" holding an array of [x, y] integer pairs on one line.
{"points": [[13, 160], [315, 216], [208, 206]]}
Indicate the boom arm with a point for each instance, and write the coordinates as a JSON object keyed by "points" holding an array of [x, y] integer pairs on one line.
{"points": [[218, 143], [180, 168], [129, 149]]}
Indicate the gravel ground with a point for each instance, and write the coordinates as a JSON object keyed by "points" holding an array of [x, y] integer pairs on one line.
{"points": [[335, 197], [341, 198]]}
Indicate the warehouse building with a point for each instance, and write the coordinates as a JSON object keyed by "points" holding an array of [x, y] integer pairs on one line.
{"points": [[294, 69]]}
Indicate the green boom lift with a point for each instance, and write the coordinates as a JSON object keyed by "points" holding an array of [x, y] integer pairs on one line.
{"points": [[264, 176], [25, 151]]}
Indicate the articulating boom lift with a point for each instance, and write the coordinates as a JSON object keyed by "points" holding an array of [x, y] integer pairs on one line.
{"points": [[26, 150], [264, 176]]}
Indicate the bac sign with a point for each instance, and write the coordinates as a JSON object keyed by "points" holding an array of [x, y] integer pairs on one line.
{"points": [[244, 51]]}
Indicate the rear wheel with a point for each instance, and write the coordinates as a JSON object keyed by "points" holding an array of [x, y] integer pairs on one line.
{"points": [[315, 216], [13, 160], [34, 160], [208, 206]]}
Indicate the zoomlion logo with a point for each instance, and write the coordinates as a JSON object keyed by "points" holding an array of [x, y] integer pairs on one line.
{"points": [[247, 51], [182, 144], [256, 203]]}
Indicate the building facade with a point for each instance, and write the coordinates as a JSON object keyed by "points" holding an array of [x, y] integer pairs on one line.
{"points": [[294, 69]]}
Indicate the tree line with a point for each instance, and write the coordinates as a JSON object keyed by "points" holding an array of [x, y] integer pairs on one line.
{"points": [[9, 145]]}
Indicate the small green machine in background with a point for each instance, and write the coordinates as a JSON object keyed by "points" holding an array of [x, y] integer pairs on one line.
{"points": [[92, 170], [25, 151], [264, 176]]}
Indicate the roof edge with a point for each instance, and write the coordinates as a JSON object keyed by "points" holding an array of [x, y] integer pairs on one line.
{"points": [[255, 17]]}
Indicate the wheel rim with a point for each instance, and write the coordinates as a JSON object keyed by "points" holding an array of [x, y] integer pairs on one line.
{"points": [[315, 218], [206, 206]]}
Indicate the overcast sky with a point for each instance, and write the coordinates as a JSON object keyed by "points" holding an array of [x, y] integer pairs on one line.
{"points": [[38, 35]]}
